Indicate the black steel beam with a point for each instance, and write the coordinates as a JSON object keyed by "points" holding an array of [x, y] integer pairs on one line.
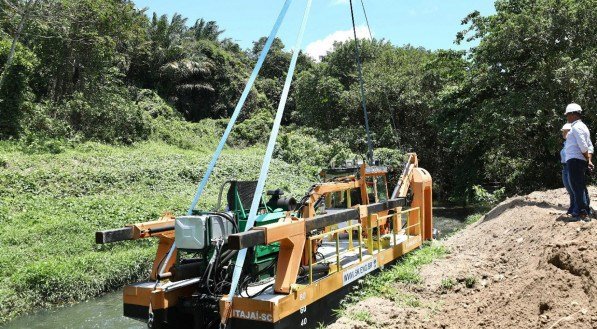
{"points": [[331, 219], [161, 229], [246, 239], [387, 205], [119, 234], [253, 238]]}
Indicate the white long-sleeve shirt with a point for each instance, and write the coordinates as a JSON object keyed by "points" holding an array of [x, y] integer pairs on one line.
{"points": [[578, 141]]}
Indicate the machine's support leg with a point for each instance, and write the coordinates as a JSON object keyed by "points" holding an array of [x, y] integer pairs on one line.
{"points": [[422, 189]]}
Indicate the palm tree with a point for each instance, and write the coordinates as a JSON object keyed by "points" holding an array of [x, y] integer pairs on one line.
{"points": [[186, 82], [203, 30]]}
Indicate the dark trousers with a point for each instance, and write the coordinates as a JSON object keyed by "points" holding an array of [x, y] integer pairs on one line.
{"points": [[578, 183], [566, 182]]}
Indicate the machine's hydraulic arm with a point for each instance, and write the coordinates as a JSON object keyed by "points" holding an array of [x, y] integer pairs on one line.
{"points": [[163, 227]]}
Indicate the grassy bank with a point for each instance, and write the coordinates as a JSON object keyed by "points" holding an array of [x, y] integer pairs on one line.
{"points": [[384, 284], [51, 205], [388, 284]]}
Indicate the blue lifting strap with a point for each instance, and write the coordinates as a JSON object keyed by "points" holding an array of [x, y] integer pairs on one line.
{"points": [[240, 259], [239, 106]]}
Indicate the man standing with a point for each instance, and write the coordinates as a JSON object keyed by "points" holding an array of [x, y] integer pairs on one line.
{"points": [[565, 130], [579, 151]]}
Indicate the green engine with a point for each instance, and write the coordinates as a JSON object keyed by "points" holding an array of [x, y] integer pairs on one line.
{"points": [[201, 238]]}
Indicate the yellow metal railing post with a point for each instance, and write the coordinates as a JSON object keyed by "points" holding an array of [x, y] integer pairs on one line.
{"points": [[338, 252], [394, 226], [338, 265], [348, 205], [378, 234], [419, 223], [360, 243], [408, 221], [310, 261], [369, 235]]}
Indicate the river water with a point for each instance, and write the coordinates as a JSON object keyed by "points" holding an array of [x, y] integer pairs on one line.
{"points": [[100, 313], [106, 312]]}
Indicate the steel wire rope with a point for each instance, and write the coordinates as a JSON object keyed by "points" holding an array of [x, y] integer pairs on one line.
{"points": [[362, 85], [366, 20]]}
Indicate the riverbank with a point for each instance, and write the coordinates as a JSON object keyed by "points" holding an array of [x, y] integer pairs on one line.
{"points": [[51, 205], [519, 266]]}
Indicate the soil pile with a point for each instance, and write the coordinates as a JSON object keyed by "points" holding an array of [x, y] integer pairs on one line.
{"points": [[520, 266]]}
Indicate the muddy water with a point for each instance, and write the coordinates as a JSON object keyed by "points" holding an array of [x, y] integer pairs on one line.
{"points": [[100, 313], [449, 220], [106, 312]]}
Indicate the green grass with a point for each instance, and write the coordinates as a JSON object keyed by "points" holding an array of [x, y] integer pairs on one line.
{"points": [[362, 315], [447, 283], [52, 203], [473, 218], [470, 281]]}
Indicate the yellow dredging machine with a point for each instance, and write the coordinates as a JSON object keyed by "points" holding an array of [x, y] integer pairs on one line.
{"points": [[304, 256], [266, 261]]}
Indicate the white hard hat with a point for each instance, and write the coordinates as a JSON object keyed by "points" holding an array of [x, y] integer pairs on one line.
{"points": [[567, 126], [573, 107]]}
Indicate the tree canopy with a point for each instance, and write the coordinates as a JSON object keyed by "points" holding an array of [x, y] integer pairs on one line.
{"points": [[106, 70]]}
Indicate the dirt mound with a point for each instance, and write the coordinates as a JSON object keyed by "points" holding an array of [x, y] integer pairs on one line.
{"points": [[520, 266]]}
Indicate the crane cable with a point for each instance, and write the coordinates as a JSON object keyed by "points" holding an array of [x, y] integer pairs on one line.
{"points": [[357, 56], [366, 20], [239, 106], [385, 94], [240, 259]]}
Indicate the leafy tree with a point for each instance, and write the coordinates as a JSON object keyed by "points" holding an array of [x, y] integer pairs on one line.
{"points": [[400, 82], [24, 11], [187, 83], [80, 43], [13, 95], [502, 122], [164, 44]]}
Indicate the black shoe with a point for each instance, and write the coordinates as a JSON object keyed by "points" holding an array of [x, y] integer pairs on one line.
{"points": [[572, 219]]}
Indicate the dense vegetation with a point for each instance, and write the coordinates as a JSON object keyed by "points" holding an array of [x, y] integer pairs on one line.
{"points": [[106, 71], [107, 111]]}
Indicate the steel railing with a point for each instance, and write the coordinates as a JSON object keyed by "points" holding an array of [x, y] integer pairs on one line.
{"points": [[397, 229], [337, 252]]}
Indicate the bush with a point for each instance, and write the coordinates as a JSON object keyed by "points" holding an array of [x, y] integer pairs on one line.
{"points": [[32, 143], [447, 283], [254, 130], [482, 197], [302, 147], [152, 104], [201, 136], [390, 157], [14, 92], [107, 115]]}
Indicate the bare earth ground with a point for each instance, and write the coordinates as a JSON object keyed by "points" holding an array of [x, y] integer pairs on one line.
{"points": [[524, 268]]}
